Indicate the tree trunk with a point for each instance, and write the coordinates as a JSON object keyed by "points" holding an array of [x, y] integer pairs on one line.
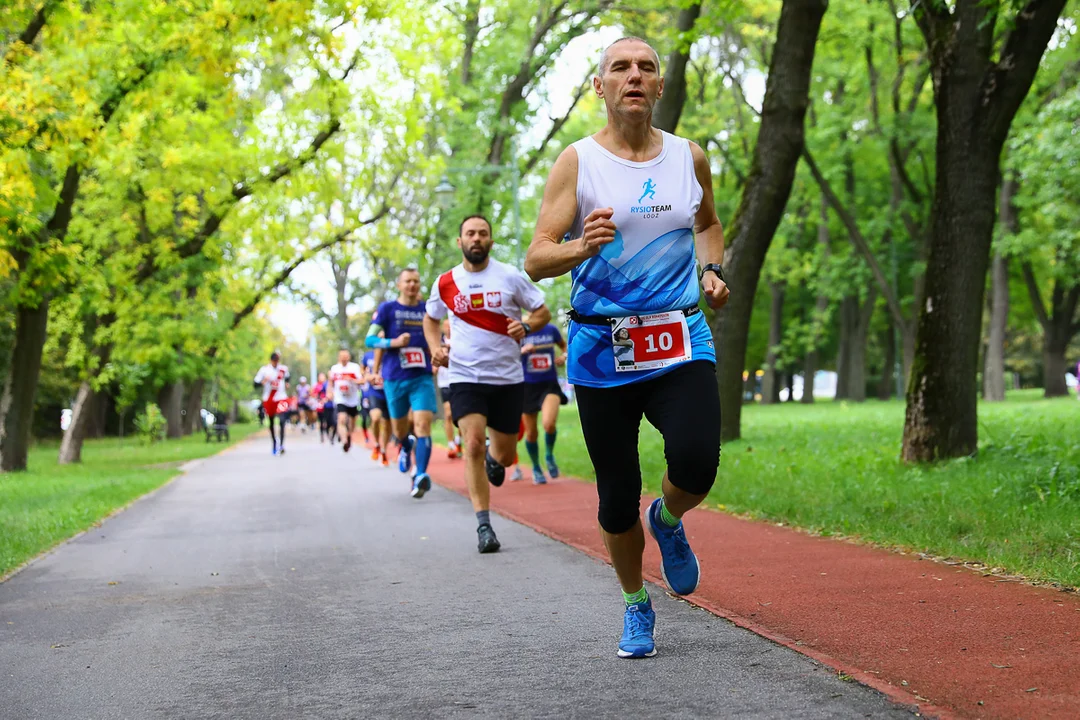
{"points": [[765, 194], [888, 366], [821, 305], [810, 368], [234, 414], [171, 401], [941, 400], [82, 417], [1054, 366], [857, 357], [770, 384], [976, 100], [192, 419], [1057, 325], [849, 321], [669, 108], [994, 371], [20, 386]]}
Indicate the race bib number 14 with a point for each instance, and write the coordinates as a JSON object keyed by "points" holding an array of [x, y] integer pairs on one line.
{"points": [[648, 342], [412, 358]]}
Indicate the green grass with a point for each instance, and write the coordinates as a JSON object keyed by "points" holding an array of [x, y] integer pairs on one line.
{"points": [[49, 503], [834, 468]]}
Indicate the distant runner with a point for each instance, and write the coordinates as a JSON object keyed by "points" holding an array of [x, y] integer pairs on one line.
{"points": [[346, 377], [324, 408], [273, 380], [375, 396], [442, 379], [305, 400], [543, 394], [638, 343], [405, 366], [485, 299]]}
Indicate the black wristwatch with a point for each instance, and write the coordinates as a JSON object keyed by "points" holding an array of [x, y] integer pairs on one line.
{"points": [[715, 267], [527, 326]]}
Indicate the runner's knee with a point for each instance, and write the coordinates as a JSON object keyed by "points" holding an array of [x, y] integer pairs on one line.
{"points": [[692, 462], [618, 513], [474, 445]]}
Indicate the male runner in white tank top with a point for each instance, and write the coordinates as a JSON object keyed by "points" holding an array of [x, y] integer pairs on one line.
{"points": [[637, 203]]}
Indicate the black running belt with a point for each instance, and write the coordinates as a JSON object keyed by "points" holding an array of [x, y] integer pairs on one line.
{"points": [[577, 317]]}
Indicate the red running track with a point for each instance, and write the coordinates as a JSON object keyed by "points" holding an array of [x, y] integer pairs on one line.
{"points": [[947, 639]]}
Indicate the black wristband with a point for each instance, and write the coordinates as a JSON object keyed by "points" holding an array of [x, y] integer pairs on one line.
{"points": [[714, 267], [527, 326]]}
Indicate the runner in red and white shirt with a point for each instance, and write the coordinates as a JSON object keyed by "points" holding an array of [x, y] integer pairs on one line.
{"points": [[273, 379], [346, 378], [485, 299]]}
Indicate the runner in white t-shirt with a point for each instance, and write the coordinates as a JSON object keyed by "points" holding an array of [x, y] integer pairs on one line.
{"points": [[346, 378], [485, 299], [273, 380]]}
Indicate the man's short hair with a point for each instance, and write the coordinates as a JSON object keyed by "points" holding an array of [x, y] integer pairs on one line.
{"points": [[461, 227], [409, 269], [604, 57], [275, 356]]}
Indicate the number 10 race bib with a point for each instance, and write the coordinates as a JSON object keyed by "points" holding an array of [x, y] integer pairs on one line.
{"points": [[648, 342], [411, 358]]}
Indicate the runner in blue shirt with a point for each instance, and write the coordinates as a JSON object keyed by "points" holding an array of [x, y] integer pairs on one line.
{"points": [[405, 366], [543, 394]]}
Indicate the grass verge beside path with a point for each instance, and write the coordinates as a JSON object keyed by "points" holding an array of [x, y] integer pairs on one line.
{"points": [[834, 468], [49, 502]]}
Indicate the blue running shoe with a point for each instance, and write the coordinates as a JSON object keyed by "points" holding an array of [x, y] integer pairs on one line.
{"points": [[637, 635], [538, 476], [404, 460], [553, 469], [274, 451], [679, 564], [421, 484]]}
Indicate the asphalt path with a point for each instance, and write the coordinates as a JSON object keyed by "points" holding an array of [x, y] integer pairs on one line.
{"points": [[312, 586]]}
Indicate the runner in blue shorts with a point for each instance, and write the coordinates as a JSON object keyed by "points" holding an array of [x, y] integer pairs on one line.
{"points": [[403, 361], [374, 398]]}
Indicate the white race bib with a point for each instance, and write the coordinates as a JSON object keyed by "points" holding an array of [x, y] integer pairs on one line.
{"points": [[410, 358], [648, 342]]}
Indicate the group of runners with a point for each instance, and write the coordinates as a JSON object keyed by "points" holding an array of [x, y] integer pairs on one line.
{"points": [[629, 213]]}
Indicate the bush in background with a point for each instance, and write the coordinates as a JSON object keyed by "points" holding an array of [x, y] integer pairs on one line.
{"points": [[150, 424]]}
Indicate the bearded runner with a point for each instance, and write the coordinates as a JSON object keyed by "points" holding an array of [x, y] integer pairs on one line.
{"points": [[484, 299]]}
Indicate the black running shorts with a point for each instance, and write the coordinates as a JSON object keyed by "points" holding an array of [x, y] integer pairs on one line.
{"points": [[683, 404], [536, 393], [350, 410], [500, 404]]}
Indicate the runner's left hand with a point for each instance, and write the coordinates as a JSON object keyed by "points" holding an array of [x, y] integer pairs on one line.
{"points": [[515, 329], [560, 360], [716, 290]]}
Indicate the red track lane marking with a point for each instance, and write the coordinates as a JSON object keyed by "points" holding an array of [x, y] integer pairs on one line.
{"points": [[945, 631]]}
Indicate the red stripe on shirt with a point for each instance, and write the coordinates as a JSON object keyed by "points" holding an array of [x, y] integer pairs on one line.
{"points": [[483, 319]]}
